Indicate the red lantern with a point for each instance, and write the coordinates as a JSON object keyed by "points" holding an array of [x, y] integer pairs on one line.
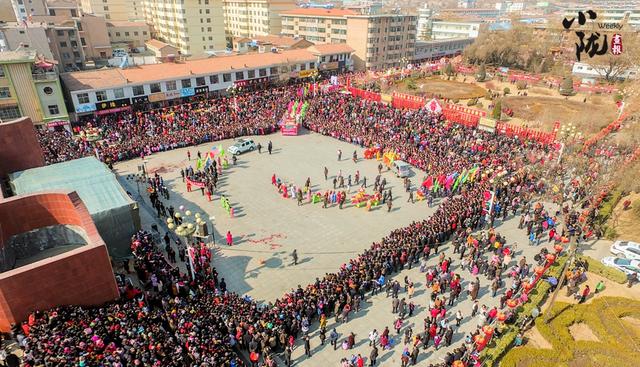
{"points": [[458, 363], [481, 340], [551, 258], [565, 240], [558, 248], [512, 303], [501, 316], [538, 270], [487, 330], [527, 286]]}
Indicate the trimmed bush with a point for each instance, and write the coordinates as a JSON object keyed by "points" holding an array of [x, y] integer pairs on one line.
{"points": [[497, 110], [606, 209], [506, 90]]}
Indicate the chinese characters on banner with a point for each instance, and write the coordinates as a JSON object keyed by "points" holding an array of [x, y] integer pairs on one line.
{"points": [[593, 45]]}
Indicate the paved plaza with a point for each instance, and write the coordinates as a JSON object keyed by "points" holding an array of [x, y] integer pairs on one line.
{"points": [[267, 228]]}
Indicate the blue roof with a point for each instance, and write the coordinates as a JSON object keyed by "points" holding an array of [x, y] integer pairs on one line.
{"points": [[96, 185]]}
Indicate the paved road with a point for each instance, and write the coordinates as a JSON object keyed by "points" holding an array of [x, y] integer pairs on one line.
{"points": [[269, 227]]}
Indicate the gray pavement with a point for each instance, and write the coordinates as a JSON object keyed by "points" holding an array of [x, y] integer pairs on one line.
{"points": [[267, 228]]}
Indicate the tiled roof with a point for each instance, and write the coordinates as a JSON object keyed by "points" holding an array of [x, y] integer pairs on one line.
{"points": [[320, 12]]}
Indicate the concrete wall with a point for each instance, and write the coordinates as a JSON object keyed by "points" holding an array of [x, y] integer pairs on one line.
{"points": [[82, 276], [22, 81], [19, 147]]}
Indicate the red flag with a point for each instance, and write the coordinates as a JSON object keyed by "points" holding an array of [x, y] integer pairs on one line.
{"points": [[428, 183]]}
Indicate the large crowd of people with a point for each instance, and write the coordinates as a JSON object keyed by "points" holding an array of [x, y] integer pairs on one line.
{"points": [[177, 320]]}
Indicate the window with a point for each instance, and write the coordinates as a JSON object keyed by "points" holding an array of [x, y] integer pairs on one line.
{"points": [[5, 92], [52, 12], [144, 33], [117, 34], [53, 109], [252, 74], [135, 33], [213, 79], [47, 90], [60, 32], [226, 77], [1, 72], [74, 13], [154, 87], [239, 75], [312, 65], [83, 42], [200, 81], [76, 54], [138, 90], [118, 93], [186, 83], [274, 71], [170, 85], [9, 113], [303, 66], [106, 8], [103, 54], [262, 72], [101, 95], [83, 97], [65, 55], [126, 34], [63, 44]]}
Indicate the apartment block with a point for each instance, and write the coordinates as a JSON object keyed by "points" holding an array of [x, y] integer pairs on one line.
{"points": [[317, 25], [441, 29], [194, 27], [135, 34], [114, 10], [28, 90], [33, 37], [250, 18], [381, 41], [22, 9]]}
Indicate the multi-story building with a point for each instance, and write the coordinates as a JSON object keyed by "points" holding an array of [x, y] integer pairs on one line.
{"points": [[27, 90], [7, 12], [474, 12], [23, 9], [317, 25], [135, 34], [248, 18], [114, 10], [381, 41], [441, 29], [149, 86], [268, 43], [32, 37], [193, 26], [425, 21], [436, 49]]}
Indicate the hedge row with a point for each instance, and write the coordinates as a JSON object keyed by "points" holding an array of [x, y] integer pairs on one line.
{"points": [[615, 345], [500, 346], [606, 209], [610, 273]]}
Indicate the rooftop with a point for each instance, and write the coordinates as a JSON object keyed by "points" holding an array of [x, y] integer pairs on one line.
{"points": [[320, 12], [110, 78], [91, 179], [66, 4], [277, 40], [156, 44], [7, 57], [112, 23]]}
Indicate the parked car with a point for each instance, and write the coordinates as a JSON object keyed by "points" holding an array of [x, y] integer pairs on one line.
{"points": [[625, 265], [241, 146], [401, 169], [626, 249]]}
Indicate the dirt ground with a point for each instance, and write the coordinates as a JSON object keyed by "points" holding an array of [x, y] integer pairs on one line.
{"points": [[536, 340], [542, 112], [626, 221], [581, 331], [442, 88], [611, 289]]}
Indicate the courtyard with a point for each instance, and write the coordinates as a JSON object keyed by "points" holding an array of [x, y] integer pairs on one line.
{"points": [[267, 228]]}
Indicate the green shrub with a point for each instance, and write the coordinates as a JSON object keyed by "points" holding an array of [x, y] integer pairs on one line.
{"points": [[606, 209], [610, 233], [456, 100], [411, 85], [472, 102], [566, 88], [480, 105], [487, 96], [481, 75], [610, 273], [506, 90], [497, 110], [617, 97]]}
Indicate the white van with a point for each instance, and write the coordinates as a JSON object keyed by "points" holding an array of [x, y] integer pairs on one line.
{"points": [[401, 169]]}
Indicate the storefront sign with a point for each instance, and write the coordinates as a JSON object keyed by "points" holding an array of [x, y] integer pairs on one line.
{"points": [[201, 90], [113, 110], [57, 123], [187, 92], [172, 94], [329, 65], [123, 102], [157, 97], [306, 73], [140, 100], [85, 107]]}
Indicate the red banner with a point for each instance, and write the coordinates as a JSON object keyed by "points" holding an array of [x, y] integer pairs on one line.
{"points": [[368, 95], [614, 126], [195, 183], [525, 133], [463, 115]]}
